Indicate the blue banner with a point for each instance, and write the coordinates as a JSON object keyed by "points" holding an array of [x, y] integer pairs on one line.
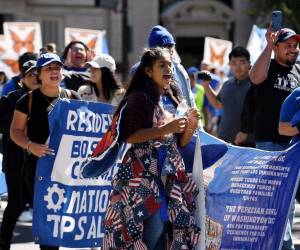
{"points": [[69, 209], [249, 194]]}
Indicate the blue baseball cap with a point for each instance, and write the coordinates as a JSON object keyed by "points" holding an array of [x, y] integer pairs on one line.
{"points": [[47, 58], [160, 37], [192, 70], [287, 34]]}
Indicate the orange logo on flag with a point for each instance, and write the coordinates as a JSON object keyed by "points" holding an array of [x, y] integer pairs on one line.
{"points": [[91, 44], [19, 43], [2, 50], [217, 57], [13, 64]]}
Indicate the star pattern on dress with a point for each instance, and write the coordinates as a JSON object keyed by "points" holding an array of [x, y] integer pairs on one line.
{"points": [[168, 168], [140, 214]]}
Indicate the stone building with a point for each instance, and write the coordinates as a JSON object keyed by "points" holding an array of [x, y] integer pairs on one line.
{"points": [[189, 20]]}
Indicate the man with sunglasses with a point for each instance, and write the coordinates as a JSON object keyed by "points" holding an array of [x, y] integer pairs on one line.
{"points": [[74, 57], [13, 155]]}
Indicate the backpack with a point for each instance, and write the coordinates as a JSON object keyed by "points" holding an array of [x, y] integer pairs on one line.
{"points": [[6, 114]]}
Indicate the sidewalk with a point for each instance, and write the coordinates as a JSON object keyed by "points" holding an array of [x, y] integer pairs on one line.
{"points": [[23, 238]]}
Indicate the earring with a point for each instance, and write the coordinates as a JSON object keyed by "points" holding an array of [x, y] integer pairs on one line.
{"points": [[149, 75]]}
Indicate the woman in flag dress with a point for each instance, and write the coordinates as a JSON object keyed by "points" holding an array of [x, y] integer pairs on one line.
{"points": [[151, 186]]}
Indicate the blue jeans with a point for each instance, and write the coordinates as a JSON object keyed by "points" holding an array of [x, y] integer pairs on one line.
{"points": [[153, 234], [287, 240]]}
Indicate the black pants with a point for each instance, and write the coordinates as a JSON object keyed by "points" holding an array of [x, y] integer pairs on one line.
{"points": [[16, 193], [29, 177]]}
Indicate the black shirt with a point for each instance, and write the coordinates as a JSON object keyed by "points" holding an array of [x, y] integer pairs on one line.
{"points": [[268, 97], [12, 154], [37, 126]]}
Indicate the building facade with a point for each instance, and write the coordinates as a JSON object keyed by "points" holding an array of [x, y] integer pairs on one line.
{"points": [[189, 20]]}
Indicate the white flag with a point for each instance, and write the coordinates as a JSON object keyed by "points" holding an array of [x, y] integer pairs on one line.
{"points": [[200, 199], [256, 42]]}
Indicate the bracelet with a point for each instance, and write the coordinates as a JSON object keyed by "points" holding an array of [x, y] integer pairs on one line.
{"points": [[192, 131], [28, 145]]}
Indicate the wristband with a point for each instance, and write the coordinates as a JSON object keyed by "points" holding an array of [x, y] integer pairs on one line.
{"points": [[28, 145]]}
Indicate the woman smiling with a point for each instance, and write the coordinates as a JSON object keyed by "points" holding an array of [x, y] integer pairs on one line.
{"points": [[30, 128]]}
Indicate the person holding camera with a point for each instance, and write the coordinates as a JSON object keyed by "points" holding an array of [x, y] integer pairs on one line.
{"points": [[274, 79], [231, 97]]}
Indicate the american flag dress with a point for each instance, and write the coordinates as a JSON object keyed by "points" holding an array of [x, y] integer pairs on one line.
{"points": [[137, 195]]}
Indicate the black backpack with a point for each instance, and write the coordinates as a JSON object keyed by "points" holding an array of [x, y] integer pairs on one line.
{"points": [[6, 114]]}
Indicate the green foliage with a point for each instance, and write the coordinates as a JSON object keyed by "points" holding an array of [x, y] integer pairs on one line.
{"points": [[261, 12]]}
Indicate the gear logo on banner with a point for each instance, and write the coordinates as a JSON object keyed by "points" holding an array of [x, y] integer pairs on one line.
{"points": [[55, 197]]}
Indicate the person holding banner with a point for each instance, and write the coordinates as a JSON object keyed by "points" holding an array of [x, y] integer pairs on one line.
{"points": [[151, 186], [274, 79], [104, 86], [289, 121], [13, 156], [30, 128]]}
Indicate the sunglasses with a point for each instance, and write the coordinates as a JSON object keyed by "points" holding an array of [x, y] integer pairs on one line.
{"points": [[31, 74], [77, 50]]}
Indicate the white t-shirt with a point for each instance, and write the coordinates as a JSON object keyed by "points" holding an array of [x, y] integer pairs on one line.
{"points": [[87, 92]]}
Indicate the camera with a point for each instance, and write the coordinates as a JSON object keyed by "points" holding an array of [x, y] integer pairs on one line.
{"points": [[204, 75]]}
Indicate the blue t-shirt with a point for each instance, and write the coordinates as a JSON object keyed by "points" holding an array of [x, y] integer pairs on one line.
{"points": [[10, 85], [290, 111]]}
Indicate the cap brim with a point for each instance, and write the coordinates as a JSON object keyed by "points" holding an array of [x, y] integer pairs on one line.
{"points": [[31, 68], [51, 61], [297, 36], [289, 37], [92, 64]]}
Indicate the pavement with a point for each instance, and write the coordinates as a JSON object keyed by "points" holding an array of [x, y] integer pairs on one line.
{"points": [[23, 238]]}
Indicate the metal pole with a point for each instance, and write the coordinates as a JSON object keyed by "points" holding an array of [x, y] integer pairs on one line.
{"points": [[125, 40]]}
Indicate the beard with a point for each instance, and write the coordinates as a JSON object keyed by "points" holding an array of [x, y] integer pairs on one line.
{"points": [[291, 61]]}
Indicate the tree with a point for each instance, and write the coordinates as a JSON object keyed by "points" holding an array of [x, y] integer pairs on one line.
{"points": [[261, 12]]}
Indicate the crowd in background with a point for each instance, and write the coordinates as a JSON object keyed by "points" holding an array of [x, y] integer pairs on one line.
{"points": [[241, 108]]}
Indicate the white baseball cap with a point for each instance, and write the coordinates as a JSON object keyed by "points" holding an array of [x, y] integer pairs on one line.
{"points": [[102, 61]]}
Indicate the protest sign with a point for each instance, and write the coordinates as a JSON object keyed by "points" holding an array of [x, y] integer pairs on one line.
{"points": [[20, 37], [2, 45], [216, 52], [5, 62], [69, 209], [94, 39], [23, 37], [249, 194]]}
